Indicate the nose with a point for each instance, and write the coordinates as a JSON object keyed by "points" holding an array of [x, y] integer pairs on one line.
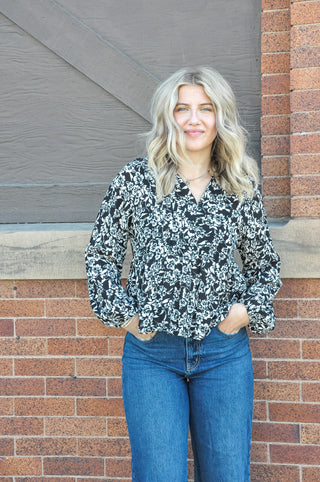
{"points": [[194, 118]]}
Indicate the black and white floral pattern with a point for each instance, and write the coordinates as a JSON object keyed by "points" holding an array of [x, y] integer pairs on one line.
{"points": [[183, 277]]}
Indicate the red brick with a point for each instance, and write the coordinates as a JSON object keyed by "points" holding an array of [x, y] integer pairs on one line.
{"points": [[81, 387], [275, 63], [46, 446], [305, 79], [305, 35], [275, 432], [275, 84], [275, 145], [78, 346], [275, 4], [259, 411], [303, 100], [21, 386], [6, 289], [311, 349], [118, 468], [45, 288], [6, 367], [44, 406], [259, 452], [305, 57], [310, 474], [294, 412], [268, 348], [275, 166], [275, 104], [286, 308], [6, 328], [310, 434], [300, 288], [21, 308], [115, 346], [278, 473], [73, 466], [117, 427], [259, 369], [275, 42], [44, 367], [305, 143], [100, 407], [275, 125], [298, 370], [276, 186], [82, 289], [75, 426], [305, 185], [21, 426], [23, 347], [296, 329], [277, 207], [103, 447], [306, 122], [69, 308], [94, 327], [309, 308], [305, 207], [46, 327], [277, 21], [6, 406], [114, 387], [294, 454], [83, 479], [46, 479], [305, 13], [310, 392], [20, 466], [264, 390], [6, 447], [98, 367]]}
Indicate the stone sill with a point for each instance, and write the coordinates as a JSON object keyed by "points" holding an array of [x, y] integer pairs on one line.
{"points": [[56, 251]]}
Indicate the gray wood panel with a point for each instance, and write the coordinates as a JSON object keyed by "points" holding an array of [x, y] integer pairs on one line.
{"points": [[51, 204], [74, 41], [62, 132]]}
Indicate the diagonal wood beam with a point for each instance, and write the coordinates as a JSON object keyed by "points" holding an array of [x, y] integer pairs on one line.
{"points": [[83, 48]]}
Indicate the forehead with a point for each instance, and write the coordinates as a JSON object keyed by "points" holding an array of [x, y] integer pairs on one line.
{"points": [[192, 94]]}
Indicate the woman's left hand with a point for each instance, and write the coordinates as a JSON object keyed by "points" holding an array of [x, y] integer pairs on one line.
{"points": [[237, 318]]}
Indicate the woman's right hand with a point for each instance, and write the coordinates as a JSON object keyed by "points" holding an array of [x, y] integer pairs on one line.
{"points": [[133, 329]]}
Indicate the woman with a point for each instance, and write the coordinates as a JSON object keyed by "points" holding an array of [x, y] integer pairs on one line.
{"points": [[186, 209]]}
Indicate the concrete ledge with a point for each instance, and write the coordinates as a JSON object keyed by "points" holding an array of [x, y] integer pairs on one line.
{"points": [[56, 251]]}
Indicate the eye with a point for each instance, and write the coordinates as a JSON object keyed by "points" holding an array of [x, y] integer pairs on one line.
{"points": [[207, 109], [181, 109]]}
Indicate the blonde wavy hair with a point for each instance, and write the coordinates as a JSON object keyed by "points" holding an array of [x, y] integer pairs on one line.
{"points": [[235, 170]]}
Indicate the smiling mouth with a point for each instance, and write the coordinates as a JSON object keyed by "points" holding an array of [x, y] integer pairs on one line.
{"points": [[194, 133]]}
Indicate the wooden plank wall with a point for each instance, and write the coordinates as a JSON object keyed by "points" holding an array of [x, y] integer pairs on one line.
{"points": [[77, 79]]}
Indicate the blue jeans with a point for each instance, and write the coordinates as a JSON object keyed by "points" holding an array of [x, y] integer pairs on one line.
{"points": [[171, 383]]}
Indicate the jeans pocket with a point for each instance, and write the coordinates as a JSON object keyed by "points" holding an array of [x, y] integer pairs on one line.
{"points": [[148, 340], [226, 335]]}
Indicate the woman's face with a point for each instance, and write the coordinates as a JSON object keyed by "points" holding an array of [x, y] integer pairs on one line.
{"points": [[195, 115]]}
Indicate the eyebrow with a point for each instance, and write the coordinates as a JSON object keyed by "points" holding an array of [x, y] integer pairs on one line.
{"points": [[204, 103]]}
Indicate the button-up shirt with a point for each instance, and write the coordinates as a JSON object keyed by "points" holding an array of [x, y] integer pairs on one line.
{"points": [[183, 277]]}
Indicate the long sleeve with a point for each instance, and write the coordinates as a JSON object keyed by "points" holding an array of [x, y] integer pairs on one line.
{"points": [[261, 266], [105, 254]]}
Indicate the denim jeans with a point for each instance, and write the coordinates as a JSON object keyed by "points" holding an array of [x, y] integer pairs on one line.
{"points": [[171, 383]]}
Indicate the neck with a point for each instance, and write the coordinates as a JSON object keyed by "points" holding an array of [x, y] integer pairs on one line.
{"points": [[195, 167]]}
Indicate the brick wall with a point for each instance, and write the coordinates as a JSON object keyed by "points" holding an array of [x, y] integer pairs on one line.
{"points": [[290, 124], [286, 429], [61, 413]]}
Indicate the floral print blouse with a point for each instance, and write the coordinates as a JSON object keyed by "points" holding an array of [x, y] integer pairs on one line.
{"points": [[183, 277]]}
